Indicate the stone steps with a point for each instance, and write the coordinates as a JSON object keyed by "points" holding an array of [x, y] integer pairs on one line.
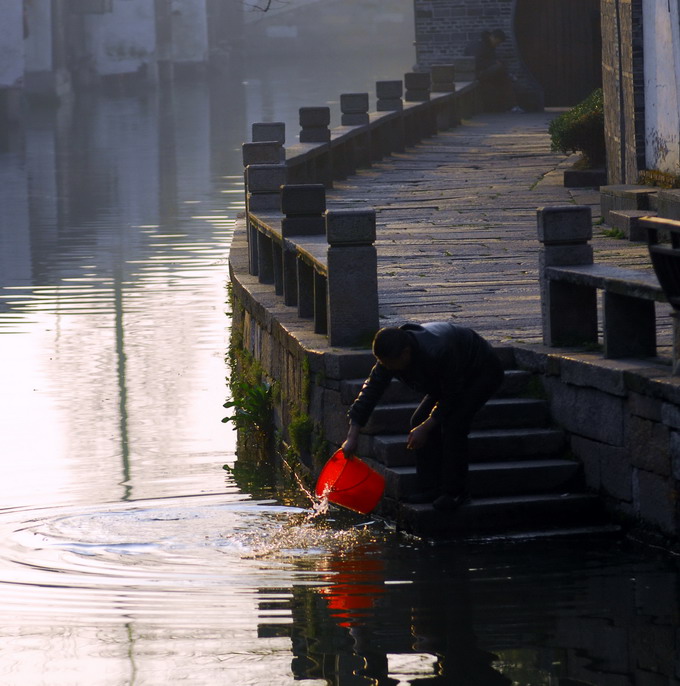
{"points": [[552, 513], [515, 383], [497, 478], [486, 444], [628, 222], [520, 482], [498, 413]]}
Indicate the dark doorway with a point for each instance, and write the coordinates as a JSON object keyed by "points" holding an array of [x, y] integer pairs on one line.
{"points": [[560, 43]]}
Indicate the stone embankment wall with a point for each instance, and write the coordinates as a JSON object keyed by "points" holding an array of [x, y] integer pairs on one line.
{"points": [[444, 28], [623, 423], [308, 373], [621, 416]]}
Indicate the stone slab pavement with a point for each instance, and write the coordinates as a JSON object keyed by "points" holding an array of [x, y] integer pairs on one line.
{"points": [[457, 225]]}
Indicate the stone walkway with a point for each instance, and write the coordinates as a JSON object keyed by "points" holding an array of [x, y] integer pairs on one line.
{"points": [[457, 225]]}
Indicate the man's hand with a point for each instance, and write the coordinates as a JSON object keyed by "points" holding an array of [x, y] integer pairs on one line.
{"points": [[418, 436], [349, 447]]}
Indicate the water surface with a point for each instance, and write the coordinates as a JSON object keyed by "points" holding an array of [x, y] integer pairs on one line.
{"points": [[128, 556]]}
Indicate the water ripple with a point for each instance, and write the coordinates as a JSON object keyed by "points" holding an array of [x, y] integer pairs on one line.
{"points": [[197, 556]]}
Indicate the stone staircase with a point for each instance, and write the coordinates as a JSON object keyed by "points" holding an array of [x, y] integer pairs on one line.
{"points": [[520, 480]]}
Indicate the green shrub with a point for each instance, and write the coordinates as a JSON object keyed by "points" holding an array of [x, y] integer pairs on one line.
{"points": [[581, 129], [252, 405]]}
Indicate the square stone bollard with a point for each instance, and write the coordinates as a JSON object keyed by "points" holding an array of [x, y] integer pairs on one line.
{"points": [[265, 178], [314, 122], [350, 227], [352, 288], [568, 310], [265, 152], [271, 132], [354, 108], [417, 86], [389, 94], [263, 194], [303, 206], [263, 186], [259, 153], [443, 78], [565, 225], [303, 200]]}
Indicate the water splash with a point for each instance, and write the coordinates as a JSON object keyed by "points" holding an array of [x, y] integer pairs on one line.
{"points": [[306, 535], [320, 504]]}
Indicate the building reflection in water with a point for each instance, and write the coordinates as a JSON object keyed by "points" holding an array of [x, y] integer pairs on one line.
{"points": [[115, 212], [528, 613]]}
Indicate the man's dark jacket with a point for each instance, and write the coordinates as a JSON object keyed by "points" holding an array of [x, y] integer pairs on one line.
{"points": [[445, 357], [483, 51]]}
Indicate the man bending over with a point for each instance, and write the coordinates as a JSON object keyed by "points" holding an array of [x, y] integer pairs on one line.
{"points": [[457, 371]]}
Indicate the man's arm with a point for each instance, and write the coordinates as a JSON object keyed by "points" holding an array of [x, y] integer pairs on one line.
{"points": [[360, 411], [349, 447], [418, 435]]}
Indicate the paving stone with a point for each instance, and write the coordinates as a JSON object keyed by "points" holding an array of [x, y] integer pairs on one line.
{"points": [[456, 221]]}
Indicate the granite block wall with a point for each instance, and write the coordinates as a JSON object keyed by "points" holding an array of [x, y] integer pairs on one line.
{"points": [[445, 27], [623, 423]]}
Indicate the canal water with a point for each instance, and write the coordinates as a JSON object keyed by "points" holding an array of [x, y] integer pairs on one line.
{"points": [[128, 555]]}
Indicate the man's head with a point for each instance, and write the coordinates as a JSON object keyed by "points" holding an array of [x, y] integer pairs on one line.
{"points": [[392, 347], [497, 36]]}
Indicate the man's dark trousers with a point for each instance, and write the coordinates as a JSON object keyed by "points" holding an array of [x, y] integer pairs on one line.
{"points": [[442, 463]]}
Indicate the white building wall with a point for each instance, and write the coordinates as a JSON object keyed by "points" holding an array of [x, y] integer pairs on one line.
{"points": [[123, 41], [11, 43], [189, 32], [661, 26]]}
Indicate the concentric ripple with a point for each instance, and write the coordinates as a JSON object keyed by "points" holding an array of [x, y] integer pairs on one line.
{"points": [[188, 555]]}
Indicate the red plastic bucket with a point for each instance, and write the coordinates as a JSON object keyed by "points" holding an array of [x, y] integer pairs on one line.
{"points": [[350, 483]]}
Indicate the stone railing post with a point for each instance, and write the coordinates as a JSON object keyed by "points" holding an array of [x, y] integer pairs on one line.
{"points": [[417, 84], [303, 206], [354, 108], [314, 122], [465, 68], [258, 153], [355, 151], [568, 311], [443, 78], [389, 95], [420, 124], [352, 285], [443, 81], [263, 183], [270, 132]]}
